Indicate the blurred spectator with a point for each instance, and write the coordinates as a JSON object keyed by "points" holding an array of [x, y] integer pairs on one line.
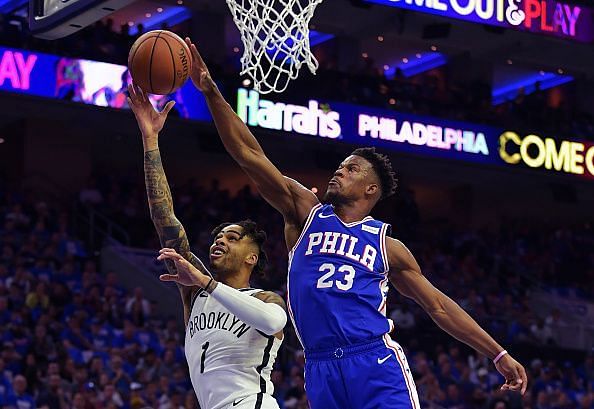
{"points": [[19, 398], [138, 308], [77, 338], [542, 332], [403, 318]]}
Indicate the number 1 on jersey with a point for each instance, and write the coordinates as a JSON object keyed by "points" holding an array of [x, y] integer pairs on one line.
{"points": [[204, 348], [325, 282]]}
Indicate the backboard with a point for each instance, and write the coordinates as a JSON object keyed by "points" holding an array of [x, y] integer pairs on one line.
{"points": [[53, 19]]}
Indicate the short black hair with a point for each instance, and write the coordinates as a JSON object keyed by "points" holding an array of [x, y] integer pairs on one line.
{"points": [[383, 168], [250, 229]]}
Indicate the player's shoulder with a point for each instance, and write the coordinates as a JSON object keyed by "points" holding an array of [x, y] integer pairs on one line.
{"points": [[269, 297]]}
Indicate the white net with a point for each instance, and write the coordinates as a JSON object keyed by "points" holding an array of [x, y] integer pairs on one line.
{"points": [[275, 35]]}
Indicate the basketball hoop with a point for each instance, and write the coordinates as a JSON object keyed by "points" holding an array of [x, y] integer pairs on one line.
{"points": [[275, 35]]}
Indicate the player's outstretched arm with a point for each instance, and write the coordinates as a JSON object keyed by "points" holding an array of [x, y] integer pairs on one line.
{"points": [[284, 194], [265, 311], [171, 232], [406, 276]]}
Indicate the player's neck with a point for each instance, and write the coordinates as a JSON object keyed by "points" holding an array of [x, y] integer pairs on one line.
{"points": [[236, 281], [351, 212]]}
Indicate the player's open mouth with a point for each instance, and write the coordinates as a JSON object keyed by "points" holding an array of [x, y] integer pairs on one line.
{"points": [[333, 182], [217, 252]]}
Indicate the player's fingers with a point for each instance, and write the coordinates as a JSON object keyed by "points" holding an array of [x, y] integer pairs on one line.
{"points": [[141, 94], [168, 107], [130, 103], [198, 57], [166, 250], [194, 57], [515, 374], [137, 90], [515, 386], [170, 255], [168, 277], [132, 92], [515, 383], [523, 378], [189, 44]]}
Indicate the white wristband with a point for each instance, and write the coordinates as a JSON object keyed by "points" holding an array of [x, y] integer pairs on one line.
{"points": [[499, 356], [267, 317]]}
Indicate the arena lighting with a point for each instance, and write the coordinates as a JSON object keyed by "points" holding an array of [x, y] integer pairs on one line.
{"points": [[317, 37], [9, 6], [556, 155], [53, 19], [510, 90], [548, 17], [308, 119], [171, 16], [416, 64]]}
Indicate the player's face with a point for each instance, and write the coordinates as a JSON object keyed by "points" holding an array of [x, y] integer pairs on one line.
{"points": [[229, 249], [350, 181]]}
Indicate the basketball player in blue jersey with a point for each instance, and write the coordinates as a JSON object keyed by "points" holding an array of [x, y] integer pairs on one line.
{"points": [[340, 262], [233, 332]]}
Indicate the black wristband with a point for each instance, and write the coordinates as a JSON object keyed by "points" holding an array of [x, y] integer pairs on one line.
{"points": [[208, 284]]}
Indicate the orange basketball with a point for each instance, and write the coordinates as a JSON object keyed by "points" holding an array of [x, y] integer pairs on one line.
{"points": [[160, 62]]}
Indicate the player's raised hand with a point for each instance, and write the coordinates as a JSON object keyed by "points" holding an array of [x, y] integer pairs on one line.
{"points": [[514, 374], [187, 274], [200, 74], [149, 120]]}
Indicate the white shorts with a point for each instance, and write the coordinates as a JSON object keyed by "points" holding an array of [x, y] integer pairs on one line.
{"points": [[249, 402]]}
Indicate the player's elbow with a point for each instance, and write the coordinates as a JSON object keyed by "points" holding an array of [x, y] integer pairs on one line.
{"points": [[275, 322], [436, 308]]}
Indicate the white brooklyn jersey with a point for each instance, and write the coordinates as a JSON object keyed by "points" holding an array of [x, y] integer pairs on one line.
{"points": [[229, 361]]}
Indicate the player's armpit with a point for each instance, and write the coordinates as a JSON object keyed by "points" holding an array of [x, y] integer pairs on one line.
{"points": [[303, 198], [286, 195], [405, 274], [271, 297]]}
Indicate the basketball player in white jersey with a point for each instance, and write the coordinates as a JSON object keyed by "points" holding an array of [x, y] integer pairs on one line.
{"points": [[233, 332]]}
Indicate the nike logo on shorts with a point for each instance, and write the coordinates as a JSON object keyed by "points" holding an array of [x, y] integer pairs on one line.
{"points": [[237, 402], [382, 360]]}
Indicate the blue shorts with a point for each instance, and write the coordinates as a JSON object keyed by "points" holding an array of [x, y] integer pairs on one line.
{"points": [[374, 375]]}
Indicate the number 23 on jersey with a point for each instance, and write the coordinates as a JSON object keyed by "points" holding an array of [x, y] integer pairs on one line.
{"points": [[343, 279]]}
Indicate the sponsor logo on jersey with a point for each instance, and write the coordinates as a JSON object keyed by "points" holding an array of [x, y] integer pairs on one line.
{"points": [[370, 229], [341, 244], [217, 320]]}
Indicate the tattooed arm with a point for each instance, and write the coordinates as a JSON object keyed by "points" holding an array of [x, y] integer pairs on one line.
{"points": [[170, 230]]}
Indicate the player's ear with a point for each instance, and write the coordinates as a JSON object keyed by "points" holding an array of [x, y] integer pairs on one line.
{"points": [[372, 189], [251, 259]]}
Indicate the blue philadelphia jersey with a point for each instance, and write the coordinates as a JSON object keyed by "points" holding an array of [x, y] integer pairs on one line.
{"points": [[338, 281]]}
